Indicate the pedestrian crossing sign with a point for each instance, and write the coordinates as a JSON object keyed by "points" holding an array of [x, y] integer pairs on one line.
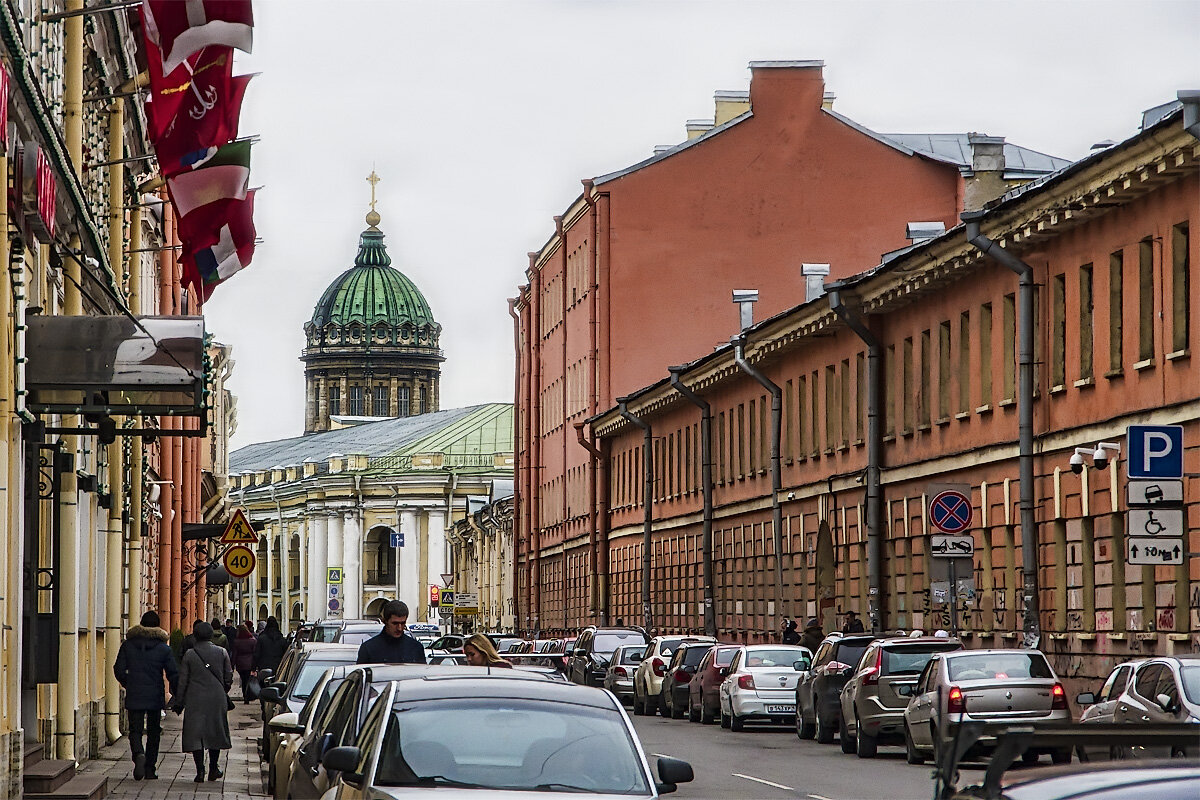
{"points": [[238, 531]]}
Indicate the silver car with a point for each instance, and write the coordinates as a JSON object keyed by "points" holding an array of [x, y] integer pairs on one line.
{"points": [[1162, 690], [984, 686], [760, 685], [618, 679], [647, 681], [471, 736]]}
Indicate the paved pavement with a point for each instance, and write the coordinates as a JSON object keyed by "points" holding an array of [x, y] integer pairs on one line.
{"points": [[244, 777]]}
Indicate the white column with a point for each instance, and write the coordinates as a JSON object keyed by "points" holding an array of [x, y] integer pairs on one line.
{"points": [[301, 597], [410, 560], [352, 566], [318, 542], [436, 557], [334, 554], [272, 538], [285, 570]]}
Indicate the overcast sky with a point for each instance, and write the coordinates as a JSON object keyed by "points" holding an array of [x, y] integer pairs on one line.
{"points": [[482, 117]]}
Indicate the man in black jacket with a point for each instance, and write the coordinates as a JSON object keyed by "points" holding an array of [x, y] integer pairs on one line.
{"points": [[392, 645], [142, 661]]}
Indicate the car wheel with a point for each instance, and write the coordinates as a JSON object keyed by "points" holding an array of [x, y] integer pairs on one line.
{"points": [[844, 737], [693, 712], [865, 745], [736, 723], [1030, 756], [1061, 756], [725, 720], [824, 732], [706, 716], [676, 711], [804, 729], [271, 780], [651, 705], [911, 754], [638, 709]]}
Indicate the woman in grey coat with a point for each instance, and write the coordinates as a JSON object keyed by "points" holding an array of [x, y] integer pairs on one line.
{"points": [[204, 680]]}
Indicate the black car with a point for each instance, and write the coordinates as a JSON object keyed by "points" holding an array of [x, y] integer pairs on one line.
{"points": [[818, 701], [677, 682], [589, 659]]}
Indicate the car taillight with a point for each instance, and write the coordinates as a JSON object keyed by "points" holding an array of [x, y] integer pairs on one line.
{"points": [[659, 666], [1058, 698], [682, 676], [745, 681], [871, 676], [955, 702], [621, 673]]}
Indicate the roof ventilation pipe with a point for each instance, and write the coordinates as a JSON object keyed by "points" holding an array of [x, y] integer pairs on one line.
{"points": [[647, 505], [917, 232], [706, 488], [814, 280], [1029, 531], [745, 300], [874, 452], [739, 355]]}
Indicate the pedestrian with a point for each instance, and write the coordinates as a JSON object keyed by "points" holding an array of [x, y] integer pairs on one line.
{"points": [[203, 698], [219, 637], [143, 660], [269, 647], [853, 624], [480, 652], [813, 635], [790, 636], [230, 631], [189, 641], [392, 645], [245, 643]]}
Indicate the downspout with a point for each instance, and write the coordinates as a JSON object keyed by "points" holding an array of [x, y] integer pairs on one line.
{"points": [[1029, 531], [739, 355], [706, 489], [597, 516], [112, 601], [874, 454], [518, 441], [600, 583], [647, 508], [137, 453]]}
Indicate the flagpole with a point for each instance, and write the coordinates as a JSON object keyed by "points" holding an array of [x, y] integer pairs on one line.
{"points": [[79, 12]]}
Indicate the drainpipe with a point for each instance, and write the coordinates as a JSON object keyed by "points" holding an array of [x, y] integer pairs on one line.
{"points": [[874, 454], [706, 489], [647, 507], [112, 601], [597, 515], [739, 355], [1029, 531], [518, 440]]}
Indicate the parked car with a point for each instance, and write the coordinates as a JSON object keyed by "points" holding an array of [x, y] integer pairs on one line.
{"points": [[985, 686], [589, 658], [1164, 689], [292, 728], [761, 684], [558, 740], [818, 704], [1100, 706], [292, 689], [508, 644], [704, 690], [647, 681], [329, 631], [357, 631], [1176, 779], [872, 706], [449, 644], [618, 678], [673, 698], [558, 652]]}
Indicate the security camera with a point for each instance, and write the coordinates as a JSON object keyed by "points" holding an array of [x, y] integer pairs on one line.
{"points": [[1077, 463], [1100, 458]]}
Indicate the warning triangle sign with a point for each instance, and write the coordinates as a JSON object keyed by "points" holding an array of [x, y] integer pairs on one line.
{"points": [[238, 531]]}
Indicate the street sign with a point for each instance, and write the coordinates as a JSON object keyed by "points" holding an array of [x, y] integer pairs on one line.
{"points": [[1160, 522], [445, 612], [398, 539], [941, 568], [239, 561], [950, 511], [1154, 451], [447, 599], [466, 603], [1153, 493], [1150, 552], [333, 574], [435, 595], [238, 531], [941, 546], [446, 578]]}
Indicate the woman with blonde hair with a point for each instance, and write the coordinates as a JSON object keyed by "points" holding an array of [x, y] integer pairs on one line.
{"points": [[480, 652]]}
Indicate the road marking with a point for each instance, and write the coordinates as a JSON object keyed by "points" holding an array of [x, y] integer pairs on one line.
{"points": [[819, 797], [760, 780], [661, 755]]}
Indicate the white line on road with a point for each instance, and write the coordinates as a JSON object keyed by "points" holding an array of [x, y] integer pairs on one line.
{"points": [[760, 780], [819, 797], [661, 755]]}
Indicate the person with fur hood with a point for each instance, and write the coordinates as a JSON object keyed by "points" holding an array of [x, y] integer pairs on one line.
{"points": [[143, 660]]}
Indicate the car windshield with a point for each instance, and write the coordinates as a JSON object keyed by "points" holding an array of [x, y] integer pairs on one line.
{"points": [[772, 658], [1189, 676], [999, 666], [316, 703], [851, 652], [606, 643], [310, 673], [632, 655], [667, 646], [692, 656], [910, 660], [514, 744]]}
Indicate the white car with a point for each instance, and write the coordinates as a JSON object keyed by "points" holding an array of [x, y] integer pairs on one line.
{"points": [[761, 684], [647, 680]]}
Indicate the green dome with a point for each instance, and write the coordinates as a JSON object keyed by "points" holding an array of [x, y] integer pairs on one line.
{"points": [[372, 292]]}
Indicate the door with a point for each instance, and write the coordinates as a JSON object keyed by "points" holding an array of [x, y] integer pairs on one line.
{"points": [[920, 708], [1135, 704]]}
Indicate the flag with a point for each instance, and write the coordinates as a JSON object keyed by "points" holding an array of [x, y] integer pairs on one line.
{"points": [[197, 82], [181, 27], [218, 242], [201, 127], [224, 176]]}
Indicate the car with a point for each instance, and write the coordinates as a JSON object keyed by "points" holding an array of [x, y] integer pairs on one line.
{"points": [[497, 734], [292, 727], [618, 678], [557, 652], [872, 706], [1174, 779], [818, 702], [357, 631], [508, 644], [982, 686], [761, 684], [647, 681], [704, 690], [589, 658], [1161, 690], [673, 698], [329, 630], [1100, 706], [294, 687]]}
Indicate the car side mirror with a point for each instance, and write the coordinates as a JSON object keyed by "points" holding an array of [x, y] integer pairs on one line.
{"points": [[904, 690], [671, 772], [270, 694], [1165, 703], [344, 760], [723, 671], [801, 665], [1086, 698], [286, 723], [265, 675], [580, 652]]}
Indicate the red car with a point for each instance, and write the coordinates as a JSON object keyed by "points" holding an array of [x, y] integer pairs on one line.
{"points": [[704, 696]]}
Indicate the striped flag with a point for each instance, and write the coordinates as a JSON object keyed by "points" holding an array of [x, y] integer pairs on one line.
{"points": [[223, 176], [181, 27]]}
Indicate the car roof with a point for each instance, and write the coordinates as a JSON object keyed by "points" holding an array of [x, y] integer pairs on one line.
{"points": [[905, 640], [330, 648], [1084, 779], [469, 682], [995, 651], [769, 646]]}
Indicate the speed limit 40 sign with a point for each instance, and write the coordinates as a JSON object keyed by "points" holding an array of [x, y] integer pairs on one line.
{"points": [[239, 561]]}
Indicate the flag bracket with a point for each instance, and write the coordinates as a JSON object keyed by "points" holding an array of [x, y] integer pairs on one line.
{"points": [[130, 160], [79, 12]]}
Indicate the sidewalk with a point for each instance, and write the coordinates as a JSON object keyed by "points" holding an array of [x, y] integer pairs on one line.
{"points": [[245, 775]]}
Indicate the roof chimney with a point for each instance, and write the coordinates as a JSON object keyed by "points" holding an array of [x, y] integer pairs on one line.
{"points": [[659, 149], [814, 280], [730, 105], [698, 127], [917, 232], [745, 298], [986, 181], [827, 101]]}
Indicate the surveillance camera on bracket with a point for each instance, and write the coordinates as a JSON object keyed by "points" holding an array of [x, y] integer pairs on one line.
{"points": [[1100, 457], [1077, 462]]}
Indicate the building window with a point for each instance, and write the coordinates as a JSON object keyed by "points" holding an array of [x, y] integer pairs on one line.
{"points": [[356, 406], [925, 378], [765, 434], [1146, 299], [943, 411], [906, 387], [753, 435], [985, 354], [789, 426], [335, 400], [802, 416], [424, 400], [1116, 299], [1180, 286], [1009, 338], [860, 395], [964, 362], [403, 402], [1087, 322], [741, 441], [1058, 331], [816, 418], [889, 390], [380, 402], [844, 402], [721, 447], [832, 417]]}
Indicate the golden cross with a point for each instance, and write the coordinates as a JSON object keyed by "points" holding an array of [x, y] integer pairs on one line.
{"points": [[373, 179]]}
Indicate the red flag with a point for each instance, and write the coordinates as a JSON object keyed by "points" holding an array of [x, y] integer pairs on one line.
{"points": [[218, 242], [195, 83], [201, 126], [182, 27]]}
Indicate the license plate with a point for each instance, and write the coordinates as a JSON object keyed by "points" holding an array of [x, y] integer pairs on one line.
{"points": [[781, 709]]}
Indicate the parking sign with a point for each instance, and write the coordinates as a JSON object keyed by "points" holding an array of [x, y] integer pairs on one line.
{"points": [[1154, 451]]}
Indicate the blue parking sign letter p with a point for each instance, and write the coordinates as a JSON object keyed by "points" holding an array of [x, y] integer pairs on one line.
{"points": [[1155, 451]]}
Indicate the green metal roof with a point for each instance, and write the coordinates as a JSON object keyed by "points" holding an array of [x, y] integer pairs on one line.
{"points": [[372, 291], [488, 429]]}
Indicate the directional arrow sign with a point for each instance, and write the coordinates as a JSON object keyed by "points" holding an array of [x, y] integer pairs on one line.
{"points": [[1150, 552]]}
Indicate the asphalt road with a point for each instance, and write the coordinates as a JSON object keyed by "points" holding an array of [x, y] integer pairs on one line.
{"points": [[767, 762]]}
